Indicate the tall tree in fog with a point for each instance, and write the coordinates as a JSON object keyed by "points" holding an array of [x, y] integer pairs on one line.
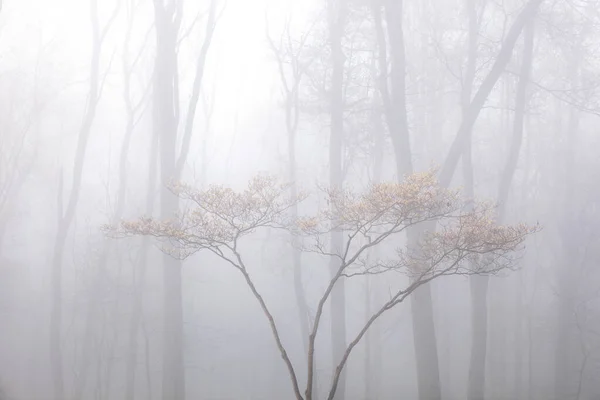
{"points": [[337, 14], [479, 284], [392, 84], [292, 65], [393, 91], [65, 215], [19, 143], [479, 308], [461, 144], [465, 129], [139, 284], [24, 96], [522, 96], [373, 339], [165, 123], [134, 109], [565, 376], [166, 112]]}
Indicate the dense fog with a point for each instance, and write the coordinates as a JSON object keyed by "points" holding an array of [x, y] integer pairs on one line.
{"points": [[299, 199]]}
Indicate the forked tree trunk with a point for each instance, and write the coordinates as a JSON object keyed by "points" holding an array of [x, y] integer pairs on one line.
{"points": [[504, 56]]}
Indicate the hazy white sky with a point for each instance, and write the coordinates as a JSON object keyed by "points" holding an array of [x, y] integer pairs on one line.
{"points": [[240, 69], [239, 54]]}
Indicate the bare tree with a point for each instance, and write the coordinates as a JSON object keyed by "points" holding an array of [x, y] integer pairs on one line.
{"points": [[392, 86], [480, 97], [135, 110], [168, 18], [467, 242], [65, 216], [292, 65], [478, 283]]}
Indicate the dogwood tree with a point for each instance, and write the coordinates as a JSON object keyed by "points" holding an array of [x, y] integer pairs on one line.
{"points": [[467, 241]]}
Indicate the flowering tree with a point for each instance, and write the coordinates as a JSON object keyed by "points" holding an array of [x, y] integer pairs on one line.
{"points": [[465, 243]]}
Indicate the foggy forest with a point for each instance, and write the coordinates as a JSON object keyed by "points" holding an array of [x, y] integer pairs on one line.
{"points": [[299, 199]]}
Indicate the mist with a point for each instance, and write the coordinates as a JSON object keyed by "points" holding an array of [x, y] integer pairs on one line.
{"points": [[299, 199]]}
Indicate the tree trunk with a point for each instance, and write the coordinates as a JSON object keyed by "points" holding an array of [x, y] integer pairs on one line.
{"points": [[292, 116], [65, 217], [564, 379], [479, 285], [166, 120], [138, 300], [395, 106], [463, 137], [337, 21], [466, 127], [92, 318], [139, 275], [373, 361], [394, 99], [166, 123]]}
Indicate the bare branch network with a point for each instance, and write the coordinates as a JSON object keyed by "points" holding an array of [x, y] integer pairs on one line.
{"points": [[467, 241]]}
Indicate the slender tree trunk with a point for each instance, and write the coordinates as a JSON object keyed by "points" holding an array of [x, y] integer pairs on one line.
{"points": [[94, 302], [529, 303], [166, 120], [479, 312], [479, 285], [166, 123], [139, 282], [211, 24], [395, 104], [292, 115], [65, 217], [394, 99], [337, 21], [373, 361], [519, 392], [466, 127], [518, 124], [565, 378], [521, 100], [291, 87], [139, 275]]}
